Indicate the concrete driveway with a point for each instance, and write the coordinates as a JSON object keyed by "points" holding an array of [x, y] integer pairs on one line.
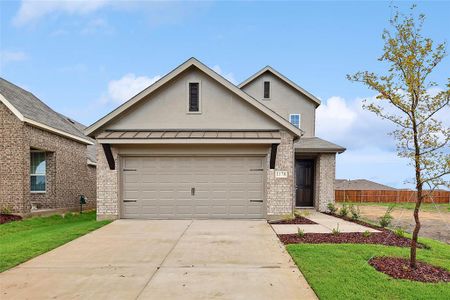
{"points": [[133, 259]]}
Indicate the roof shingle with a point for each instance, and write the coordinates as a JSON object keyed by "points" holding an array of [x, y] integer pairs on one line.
{"points": [[34, 109]]}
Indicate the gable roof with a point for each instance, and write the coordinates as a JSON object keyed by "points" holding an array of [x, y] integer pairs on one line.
{"points": [[283, 78], [29, 109], [360, 184], [174, 73]]}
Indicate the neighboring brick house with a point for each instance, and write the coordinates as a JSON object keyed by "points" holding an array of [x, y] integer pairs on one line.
{"points": [[46, 161], [194, 145]]}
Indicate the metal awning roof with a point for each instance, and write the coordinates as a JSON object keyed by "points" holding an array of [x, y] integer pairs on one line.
{"points": [[189, 136]]}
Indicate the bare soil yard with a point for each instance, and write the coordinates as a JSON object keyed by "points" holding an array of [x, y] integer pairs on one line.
{"points": [[435, 224]]}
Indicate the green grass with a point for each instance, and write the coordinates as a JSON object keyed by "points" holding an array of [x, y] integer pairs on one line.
{"points": [[341, 271], [23, 240], [442, 207]]}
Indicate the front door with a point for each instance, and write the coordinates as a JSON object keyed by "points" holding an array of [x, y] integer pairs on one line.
{"points": [[304, 181]]}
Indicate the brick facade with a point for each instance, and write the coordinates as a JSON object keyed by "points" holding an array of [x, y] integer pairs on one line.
{"points": [[324, 181], [280, 191], [67, 172], [107, 187], [11, 162]]}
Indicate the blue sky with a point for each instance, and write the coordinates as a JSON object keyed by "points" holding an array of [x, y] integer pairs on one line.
{"points": [[83, 58]]}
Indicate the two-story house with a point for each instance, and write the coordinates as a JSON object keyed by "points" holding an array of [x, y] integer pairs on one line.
{"points": [[194, 145]]}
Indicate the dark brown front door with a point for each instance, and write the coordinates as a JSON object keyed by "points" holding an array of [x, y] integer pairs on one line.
{"points": [[304, 180]]}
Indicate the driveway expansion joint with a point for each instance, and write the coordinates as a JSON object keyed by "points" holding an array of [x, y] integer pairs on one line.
{"points": [[164, 259]]}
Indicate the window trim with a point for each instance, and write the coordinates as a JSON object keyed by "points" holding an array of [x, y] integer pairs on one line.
{"points": [[199, 97], [299, 119], [264, 89], [37, 174]]}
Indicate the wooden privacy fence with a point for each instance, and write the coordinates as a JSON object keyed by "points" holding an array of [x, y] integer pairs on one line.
{"points": [[389, 196]]}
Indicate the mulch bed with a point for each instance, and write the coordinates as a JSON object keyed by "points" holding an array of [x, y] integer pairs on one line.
{"points": [[297, 220], [359, 222], [399, 268], [379, 238], [6, 218]]}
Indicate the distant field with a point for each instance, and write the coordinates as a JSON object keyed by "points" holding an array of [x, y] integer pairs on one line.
{"points": [[442, 207]]}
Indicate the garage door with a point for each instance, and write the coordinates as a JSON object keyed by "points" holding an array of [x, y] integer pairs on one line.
{"points": [[192, 187]]}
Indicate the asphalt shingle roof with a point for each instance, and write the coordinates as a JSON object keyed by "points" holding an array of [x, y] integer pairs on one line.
{"points": [[34, 109], [315, 144], [359, 184]]}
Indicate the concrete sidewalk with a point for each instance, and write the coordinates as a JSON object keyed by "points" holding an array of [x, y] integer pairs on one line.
{"points": [[131, 259], [325, 224]]}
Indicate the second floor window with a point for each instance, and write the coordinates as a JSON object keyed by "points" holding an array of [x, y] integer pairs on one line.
{"points": [[194, 97], [295, 120], [266, 89]]}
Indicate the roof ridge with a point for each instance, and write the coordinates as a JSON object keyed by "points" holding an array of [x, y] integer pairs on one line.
{"points": [[36, 110]]}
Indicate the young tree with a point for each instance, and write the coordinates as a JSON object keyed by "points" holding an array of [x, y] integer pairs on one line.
{"points": [[404, 98]]}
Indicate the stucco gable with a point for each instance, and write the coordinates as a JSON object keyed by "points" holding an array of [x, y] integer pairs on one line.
{"points": [[166, 109], [164, 105], [290, 83]]}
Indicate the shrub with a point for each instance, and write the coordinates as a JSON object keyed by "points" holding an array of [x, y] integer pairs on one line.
{"points": [[5, 210], [287, 217], [300, 232], [367, 233], [332, 208], [336, 231], [355, 212], [343, 212], [399, 232], [386, 219]]}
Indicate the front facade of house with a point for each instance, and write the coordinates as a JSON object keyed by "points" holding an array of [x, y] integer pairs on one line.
{"points": [[44, 158], [194, 145]]}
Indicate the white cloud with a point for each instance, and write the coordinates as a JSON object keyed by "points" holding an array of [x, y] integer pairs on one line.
{"points": [[335, 117], [122, 89], [11, 56], [348, 124], [31, 11], [228, 76], [371, 152]]}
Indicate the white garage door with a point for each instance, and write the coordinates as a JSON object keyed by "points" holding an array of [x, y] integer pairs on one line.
{"points": [[192, 187]]}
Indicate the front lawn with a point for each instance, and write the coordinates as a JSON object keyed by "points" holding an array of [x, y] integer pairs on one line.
{"points": [[341, 271], [23, 240]]}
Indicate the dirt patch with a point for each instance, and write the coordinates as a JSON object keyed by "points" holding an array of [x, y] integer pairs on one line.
{"points": [[6, 218], [399, 268], [297, 220], [435, 225], [386, 238]]}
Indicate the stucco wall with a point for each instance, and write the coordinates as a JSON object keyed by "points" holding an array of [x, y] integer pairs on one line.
{"points": [[284, 100], [324, 181], [67, 173], [167, 108]]}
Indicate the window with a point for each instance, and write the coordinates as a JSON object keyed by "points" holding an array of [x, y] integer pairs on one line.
{"points": [[37, 171], [194, 97], [266, 89], [295, 120]]}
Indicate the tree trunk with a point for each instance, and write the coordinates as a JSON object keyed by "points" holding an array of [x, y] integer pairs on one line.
{"points": [[412, 262], [419, 185]]}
